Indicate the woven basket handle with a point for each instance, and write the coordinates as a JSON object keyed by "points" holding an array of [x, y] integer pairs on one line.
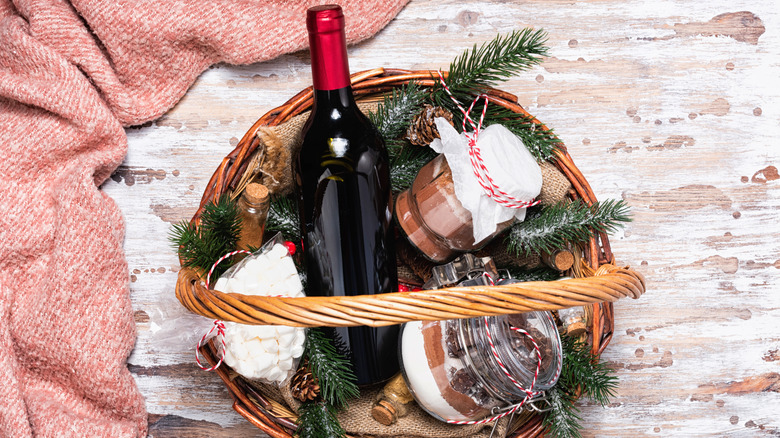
{"points": [[609, 283]]}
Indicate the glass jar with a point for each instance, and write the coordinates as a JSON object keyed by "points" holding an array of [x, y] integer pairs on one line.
{"points": [[433, 218], [253, 207], [454, 374]]}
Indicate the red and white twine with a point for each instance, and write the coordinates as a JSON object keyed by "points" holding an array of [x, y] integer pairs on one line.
{"points": [[221, 259], [218, 325], [529, 392], [484, 179]]}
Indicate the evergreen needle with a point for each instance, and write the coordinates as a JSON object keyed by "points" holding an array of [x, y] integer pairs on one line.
{"points": [[584, 371], [318, 420], [332, 369], [497, 60], [581, 372], [406, 164], [563, 419], [283, 218], [552, 227], [396, 112], [493, 62], [540, 142], [218, 233]]}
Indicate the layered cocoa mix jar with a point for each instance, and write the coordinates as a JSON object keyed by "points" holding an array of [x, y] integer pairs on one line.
{"points": [[433, 218], [456, 376]]}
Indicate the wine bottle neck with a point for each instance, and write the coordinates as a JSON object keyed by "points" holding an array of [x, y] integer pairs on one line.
{"points": [[341, 98], [328, 46]]}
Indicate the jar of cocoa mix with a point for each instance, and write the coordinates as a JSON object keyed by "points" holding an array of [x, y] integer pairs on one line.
{"points": [[433, 218], [455, 374]]}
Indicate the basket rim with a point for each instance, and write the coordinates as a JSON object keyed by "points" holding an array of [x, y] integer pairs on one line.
{"points": [[608, 283]]}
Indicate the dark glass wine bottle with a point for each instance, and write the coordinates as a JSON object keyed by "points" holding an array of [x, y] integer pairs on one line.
{"points": [[342, 179]]}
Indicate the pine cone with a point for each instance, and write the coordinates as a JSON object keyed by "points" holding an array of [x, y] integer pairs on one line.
{"points": [[303, 385], [423, 130]]}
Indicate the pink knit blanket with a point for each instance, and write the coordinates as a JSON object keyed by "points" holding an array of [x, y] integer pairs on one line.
{"points": [[72, 75]]}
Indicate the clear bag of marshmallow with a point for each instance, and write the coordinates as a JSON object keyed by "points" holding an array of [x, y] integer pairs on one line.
{"points": [[263, 352]]}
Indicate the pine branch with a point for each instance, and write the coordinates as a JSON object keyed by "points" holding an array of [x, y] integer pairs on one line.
{"points": [[406, 164], [584, 371], [491, 63], [222, 220], [218, 234], [552, 227], [497, 60], [396, 112], [318, 420], [283, 218], [563, 419], [391, 119], [186, 241], [333, 370]]}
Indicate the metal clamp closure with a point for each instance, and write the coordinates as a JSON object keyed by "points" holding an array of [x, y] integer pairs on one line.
{"points": [[467, 267]]}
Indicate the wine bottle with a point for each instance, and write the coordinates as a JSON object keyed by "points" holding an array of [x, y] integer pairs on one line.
{"points": [[342, 177]]}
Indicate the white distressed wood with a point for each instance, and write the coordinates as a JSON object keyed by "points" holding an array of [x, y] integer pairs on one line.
{"points": [[655, 109]]}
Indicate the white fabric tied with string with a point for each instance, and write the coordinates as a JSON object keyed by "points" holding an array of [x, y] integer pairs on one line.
{"points": [[507, 160]]}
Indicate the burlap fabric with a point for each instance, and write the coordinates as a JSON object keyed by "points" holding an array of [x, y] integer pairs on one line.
{"points": [[555, 185], [357, 420]]}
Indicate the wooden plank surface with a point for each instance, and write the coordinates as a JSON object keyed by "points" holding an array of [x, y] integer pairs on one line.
{"points": [[670, 105]]}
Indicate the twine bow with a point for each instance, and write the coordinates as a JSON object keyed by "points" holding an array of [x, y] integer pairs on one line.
{"points": [[492, 190], [220, 327]]}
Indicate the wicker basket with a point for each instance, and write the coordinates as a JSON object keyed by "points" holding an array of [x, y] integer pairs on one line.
{"points": [[602, 284]]}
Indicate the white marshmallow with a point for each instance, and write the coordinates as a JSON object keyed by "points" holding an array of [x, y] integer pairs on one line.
{"points": [[278, 251], [221, 285], [286, 365], [286, 340], [270, 345], [296, 351]]}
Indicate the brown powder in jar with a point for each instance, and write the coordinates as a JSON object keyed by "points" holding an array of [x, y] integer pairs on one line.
{"points": [[253, 210], [433, 218], [434, 352], [441, 210]]}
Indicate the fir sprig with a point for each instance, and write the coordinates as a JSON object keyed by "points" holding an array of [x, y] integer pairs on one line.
{"points": [[582, 373], [552, 227], [494, 62], [218, 233], [332, 369], [405, 165], [563, 419], [318, 420], [283, 218], [396, 112], [497, 60]]}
